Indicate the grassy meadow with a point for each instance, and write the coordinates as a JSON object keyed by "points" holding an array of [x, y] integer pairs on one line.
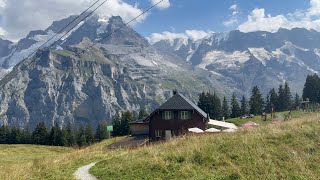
{"points": [[290, 150]]}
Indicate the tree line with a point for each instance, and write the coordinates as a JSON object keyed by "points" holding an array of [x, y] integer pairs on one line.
{"points": [[55, 136], [276, 100], [69, 135]]}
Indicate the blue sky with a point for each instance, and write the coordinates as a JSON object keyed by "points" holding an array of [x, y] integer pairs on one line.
{"points": [[210, 14], [172, 18], [225, 15]]}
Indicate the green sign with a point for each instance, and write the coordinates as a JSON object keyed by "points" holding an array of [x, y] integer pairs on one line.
{"points": [[109, 128]]}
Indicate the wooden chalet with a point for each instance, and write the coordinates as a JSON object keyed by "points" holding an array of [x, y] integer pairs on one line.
{"points": [[172, 118]]}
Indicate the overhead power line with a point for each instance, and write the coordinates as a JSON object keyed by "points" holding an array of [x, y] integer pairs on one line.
{"points": [[7, 79], [85, 50], [110, 34]]}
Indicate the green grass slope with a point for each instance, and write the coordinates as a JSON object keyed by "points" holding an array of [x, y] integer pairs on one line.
{"points": [[287, 151]]}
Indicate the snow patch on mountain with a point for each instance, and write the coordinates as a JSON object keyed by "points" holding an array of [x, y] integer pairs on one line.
{"points": [[224, 59], [317, 52], [261, 54]]}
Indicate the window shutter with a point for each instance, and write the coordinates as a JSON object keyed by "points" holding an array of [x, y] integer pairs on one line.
{"points": [[163, 115], [172, 115], [189, 114]]}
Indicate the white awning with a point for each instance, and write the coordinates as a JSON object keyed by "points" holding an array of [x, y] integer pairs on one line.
{"points": [[229, 130], [212, 130], [195, 130], [223, 124]]}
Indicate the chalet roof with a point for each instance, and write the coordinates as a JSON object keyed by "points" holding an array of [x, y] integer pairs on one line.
{"points": [[180, 102]]}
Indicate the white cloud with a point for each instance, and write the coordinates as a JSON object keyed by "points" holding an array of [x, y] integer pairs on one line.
{"points": [[196, 34], [2, 3], [315, 8], [20, 17], [234, 9], [166, 35], [163, 5], [192, 34], [233, 20], [258, 20]]}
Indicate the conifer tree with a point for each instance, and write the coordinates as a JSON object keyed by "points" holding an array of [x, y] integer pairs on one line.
{"points": [[256, 101], [297, 100], [40, 134], [312, 88], [4, 134], [81, 136], [203, 102], [89, 134], [70, 136], [225, 108], [281, 98], [244, 106], [116, 122], [26, 136], [273, 99], [142, 114], [126, 118], [235, 107], [287, 97], [52, 136], [101, 132], [15, 136]]}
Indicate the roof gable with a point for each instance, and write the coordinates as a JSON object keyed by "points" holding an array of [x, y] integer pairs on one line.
{"points": [[180, 102]]}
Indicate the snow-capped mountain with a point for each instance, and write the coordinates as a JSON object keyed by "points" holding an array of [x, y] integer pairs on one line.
{"points": [[256, 58]]}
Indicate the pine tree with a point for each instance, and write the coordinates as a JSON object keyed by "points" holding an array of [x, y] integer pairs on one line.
{"points": [[52, 136], [40, 134], [70, 136], [281, 98], [268, 106], [273, 99], [116, 122], [203, 102], [312, 88], [81, 137], [101, 132], [244, 106], [235, 107], [287, 97], [26, 136], [126, 118], [4, 134], [89, 134], [297, 100], [225, 108], [15, 136], [215, 109], [142, 114], [61, 139], [256, 101]]}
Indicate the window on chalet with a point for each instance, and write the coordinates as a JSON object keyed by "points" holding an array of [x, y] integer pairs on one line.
{"points": [[184, 115], [157, 133], [167, 115]]}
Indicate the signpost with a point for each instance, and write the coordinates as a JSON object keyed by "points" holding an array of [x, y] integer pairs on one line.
{"points": [[109, 130]]}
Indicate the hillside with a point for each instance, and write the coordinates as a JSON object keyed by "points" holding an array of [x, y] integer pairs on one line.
{"points": [[286, 151]]}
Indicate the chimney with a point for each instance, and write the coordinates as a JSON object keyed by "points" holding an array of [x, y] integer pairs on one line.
{"points": [[175, 91]]}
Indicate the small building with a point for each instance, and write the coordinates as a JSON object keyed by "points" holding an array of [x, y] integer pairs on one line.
{"points": [[172, 118]]}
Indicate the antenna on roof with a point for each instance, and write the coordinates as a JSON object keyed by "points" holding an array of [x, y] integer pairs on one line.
{"points": [[175, 91]]}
